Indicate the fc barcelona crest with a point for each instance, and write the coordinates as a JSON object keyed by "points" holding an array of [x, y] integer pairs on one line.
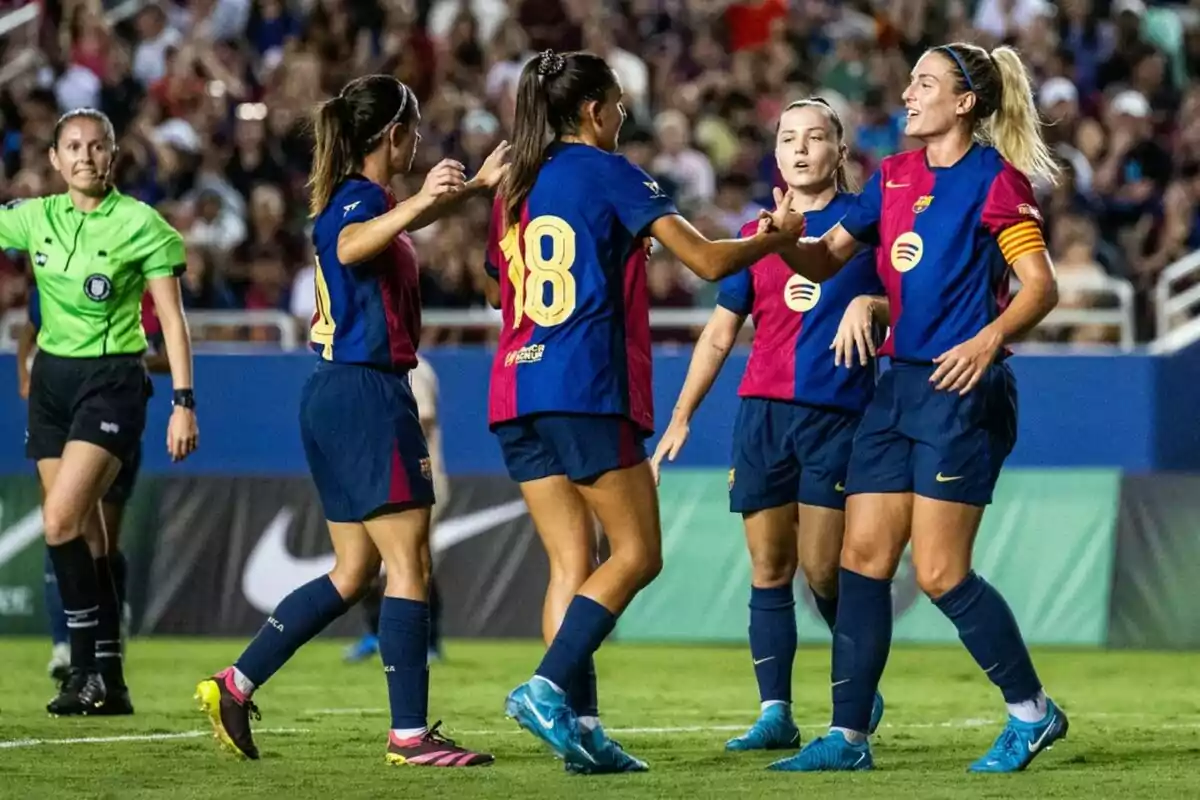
{"points": [[923, 202]]}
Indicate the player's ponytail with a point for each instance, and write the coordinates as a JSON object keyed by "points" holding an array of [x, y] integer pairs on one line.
{"points": [[528, 141], [1005, 114], [352, 125], [332, 153], [550, 96], [1015, 129]]}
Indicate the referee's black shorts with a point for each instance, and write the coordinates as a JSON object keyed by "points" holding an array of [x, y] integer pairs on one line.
{"points": [[98, 400]]}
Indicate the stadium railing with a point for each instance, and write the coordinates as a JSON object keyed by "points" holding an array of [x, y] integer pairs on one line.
{"points": [[1177, 305], [242, 331], [221, 331]]}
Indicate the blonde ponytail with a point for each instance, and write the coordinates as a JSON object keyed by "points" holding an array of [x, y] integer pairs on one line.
{"points": [[1015, 129]]}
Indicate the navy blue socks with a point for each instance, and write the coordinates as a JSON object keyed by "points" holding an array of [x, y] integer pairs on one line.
{"points": [[404, 648], [773, 641], [861, 641], [583, 630], [988, 629], [827, 607], [299, 617]]}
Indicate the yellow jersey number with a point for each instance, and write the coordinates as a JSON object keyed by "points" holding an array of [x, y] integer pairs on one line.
{"points": [[531, 271], [323, 326]]}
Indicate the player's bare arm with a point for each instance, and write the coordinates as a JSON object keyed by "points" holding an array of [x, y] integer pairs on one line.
{"points": [[960, 368], [819, 259], [158, 363], [856, 331], [486, 180], [360, 242], [709, 355], [25, 347], [182, 431], [713, 260]]}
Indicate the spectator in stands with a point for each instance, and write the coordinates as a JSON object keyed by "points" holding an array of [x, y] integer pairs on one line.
{"points": [[209, 99]]}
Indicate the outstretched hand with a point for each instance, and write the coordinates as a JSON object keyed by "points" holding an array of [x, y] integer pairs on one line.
{"points": [[445, 178], [494, 167], [783, 219]]}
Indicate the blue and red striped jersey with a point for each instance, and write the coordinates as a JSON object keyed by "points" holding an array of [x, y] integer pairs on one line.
{"points": [[575, 336], [795, 321], [368, 313], [945, 238]]}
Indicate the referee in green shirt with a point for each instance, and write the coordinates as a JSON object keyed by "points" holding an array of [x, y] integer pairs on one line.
{"points": [[94, 251]]}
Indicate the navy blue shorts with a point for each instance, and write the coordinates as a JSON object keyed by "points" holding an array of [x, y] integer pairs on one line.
{"points": [[363, 440], [581, 446], [941, 445], [789, 453]]}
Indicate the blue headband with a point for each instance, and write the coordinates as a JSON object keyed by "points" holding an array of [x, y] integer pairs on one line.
{"points": [[961, 66]]}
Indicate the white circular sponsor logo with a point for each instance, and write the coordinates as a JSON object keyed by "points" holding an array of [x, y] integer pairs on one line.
{"points": [[907, 251], [800, 294]]}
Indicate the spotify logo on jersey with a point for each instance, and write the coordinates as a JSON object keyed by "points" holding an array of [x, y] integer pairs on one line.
{"points": [[800, 294], [907, 251], [97, 287]]}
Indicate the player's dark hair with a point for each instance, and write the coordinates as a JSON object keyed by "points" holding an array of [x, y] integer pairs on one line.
{"points": [[841, 178], [350, 126], [553, 89], [93, 114], [1005, 114]]}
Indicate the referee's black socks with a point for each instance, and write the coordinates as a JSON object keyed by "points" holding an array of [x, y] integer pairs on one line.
{"points": [[108, 629], [76, 574]]}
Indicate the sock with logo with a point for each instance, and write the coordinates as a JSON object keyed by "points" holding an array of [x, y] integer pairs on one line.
{"points": [[583, 630], [827, 607], [76, 573], [581, 692], [404, 648], [299, 617], [988, 629], [54, 605], [773, 641], [108, 626], [862, 638]]}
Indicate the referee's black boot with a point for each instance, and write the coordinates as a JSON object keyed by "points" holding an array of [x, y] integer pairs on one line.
{"points": [[82, 693], [117, 703]]}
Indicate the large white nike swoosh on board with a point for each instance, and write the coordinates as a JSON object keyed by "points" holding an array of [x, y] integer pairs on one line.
{"points": [[272, 571], [19, 535]]}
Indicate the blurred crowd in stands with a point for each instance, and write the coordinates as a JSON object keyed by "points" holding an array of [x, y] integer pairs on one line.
{"points": [[209, 99]]}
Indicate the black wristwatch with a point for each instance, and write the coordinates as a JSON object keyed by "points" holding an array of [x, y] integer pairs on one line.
{"points": [[184, 398]]}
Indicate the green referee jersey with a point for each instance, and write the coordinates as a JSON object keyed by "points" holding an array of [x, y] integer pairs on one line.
{"points": [[92, 268]]}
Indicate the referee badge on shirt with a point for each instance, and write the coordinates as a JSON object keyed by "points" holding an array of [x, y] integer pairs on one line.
{"points": [[923, 202], [97, 287], [40, 259]]}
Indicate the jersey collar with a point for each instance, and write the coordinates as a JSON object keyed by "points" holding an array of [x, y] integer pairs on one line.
{"points": [[106, 206]]}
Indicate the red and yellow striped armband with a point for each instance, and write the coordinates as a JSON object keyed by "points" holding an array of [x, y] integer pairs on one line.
{"points": [[1020, 240]]}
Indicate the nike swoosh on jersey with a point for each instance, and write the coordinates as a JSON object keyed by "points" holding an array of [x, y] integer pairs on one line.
{"points": [[894, 185], [940, 478], [272, 571]]}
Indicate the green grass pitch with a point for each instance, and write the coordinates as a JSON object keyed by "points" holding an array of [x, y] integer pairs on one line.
{"points": [[1135, 728]]}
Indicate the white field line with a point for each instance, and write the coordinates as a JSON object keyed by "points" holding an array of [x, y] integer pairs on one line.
{"points": [[657, 731], [11, 744]]}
